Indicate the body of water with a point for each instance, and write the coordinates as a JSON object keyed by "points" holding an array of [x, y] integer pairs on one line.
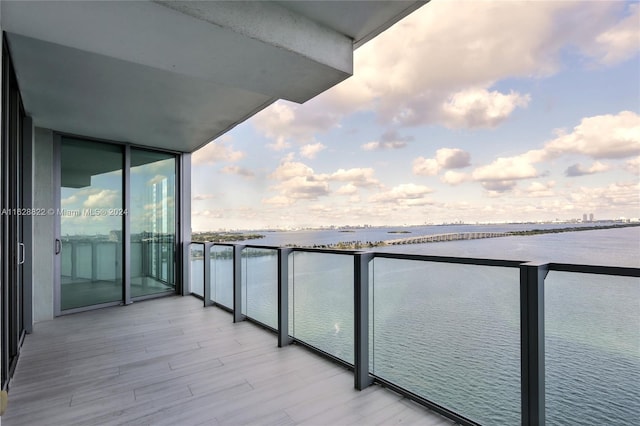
{"points": [[451, 333]]}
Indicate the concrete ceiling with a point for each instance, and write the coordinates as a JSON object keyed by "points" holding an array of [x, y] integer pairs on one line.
{"points": [[176, 75]]}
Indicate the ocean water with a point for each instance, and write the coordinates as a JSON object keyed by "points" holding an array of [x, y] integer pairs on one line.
{"points": [[451, 333]]}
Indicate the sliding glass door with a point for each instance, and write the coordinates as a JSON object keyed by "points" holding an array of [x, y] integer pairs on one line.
{"points": [[153, 222], [91, 223], [117, 229]]}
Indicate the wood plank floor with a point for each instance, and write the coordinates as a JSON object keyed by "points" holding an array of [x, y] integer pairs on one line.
{"points": [[172, 362]]}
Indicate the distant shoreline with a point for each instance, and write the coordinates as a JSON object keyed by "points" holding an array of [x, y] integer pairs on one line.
{"points": [[229, 237], [357, 245]]}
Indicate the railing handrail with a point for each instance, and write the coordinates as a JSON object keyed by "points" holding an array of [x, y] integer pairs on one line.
{"points": [[623, 271], [450, 259]]}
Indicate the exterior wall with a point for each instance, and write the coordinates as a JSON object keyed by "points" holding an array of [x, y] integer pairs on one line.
{"points": [[43, 226]]}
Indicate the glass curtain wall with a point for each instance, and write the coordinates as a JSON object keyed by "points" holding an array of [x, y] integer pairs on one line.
{"points": [[153, 222]]}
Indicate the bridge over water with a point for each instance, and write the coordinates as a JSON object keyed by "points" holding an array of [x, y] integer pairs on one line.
{"points": [[454, 236]]}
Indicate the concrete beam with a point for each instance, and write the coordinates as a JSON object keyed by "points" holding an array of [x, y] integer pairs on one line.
{"points": [[255, 46]]}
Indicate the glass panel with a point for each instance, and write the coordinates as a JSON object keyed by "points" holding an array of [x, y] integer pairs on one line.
{"points": [[451, 334], [321, 299], [592, 349], [91, 223], [221, 280], [197, 268], [260, 285], [153, 223]]}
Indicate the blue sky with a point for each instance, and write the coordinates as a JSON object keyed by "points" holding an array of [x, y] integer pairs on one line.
{"points": [[484, 111]]}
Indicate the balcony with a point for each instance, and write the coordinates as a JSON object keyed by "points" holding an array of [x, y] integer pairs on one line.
{"points": [[474, 340]]}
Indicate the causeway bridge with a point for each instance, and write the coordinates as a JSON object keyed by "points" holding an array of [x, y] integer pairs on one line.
{"points": [[434, 238]]}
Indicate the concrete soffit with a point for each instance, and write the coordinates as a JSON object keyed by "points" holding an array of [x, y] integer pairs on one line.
{"points": [[174, 74]]}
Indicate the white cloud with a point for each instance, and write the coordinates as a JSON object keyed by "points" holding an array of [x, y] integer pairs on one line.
{"points": [[506, 168], [601, 136], [389, 140], [298, 181], [454, 178], [348, 189], [381, 146], [359, 177], [291, 169], [452, 158], [425, 166], [216, 152], [580, 170], [413, 77], [633, 166], [408, 76], [404, 194], [201, 197], [613, 197], [540, 189], [303, 187], [619, 42], [156, 179], [286, 122], [278, 200], [311, 150], [472, 108], [496, 187], [446, 158], [237, 170], [106, 198]]}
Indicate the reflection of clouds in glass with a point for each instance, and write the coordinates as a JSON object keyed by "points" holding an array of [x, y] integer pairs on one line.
{"points": [[158, 167], [90, 225], [106, 198], [160, 206], [156, 179]]}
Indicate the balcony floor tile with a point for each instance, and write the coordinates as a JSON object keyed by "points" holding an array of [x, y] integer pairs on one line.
{"points": [[171, 361]]}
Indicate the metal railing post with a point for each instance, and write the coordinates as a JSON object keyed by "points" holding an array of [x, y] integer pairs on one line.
{"points": [[361, 316], [532, 277], [237, 283], [206, 279], [283, 297]]}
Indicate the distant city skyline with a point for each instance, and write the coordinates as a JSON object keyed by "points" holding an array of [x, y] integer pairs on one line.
{"points": [[474, 111]]}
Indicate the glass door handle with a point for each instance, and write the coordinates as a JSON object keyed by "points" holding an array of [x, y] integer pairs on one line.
{"points": [[58, 246], [21, 253]]}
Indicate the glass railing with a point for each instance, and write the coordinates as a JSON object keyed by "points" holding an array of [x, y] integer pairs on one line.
{"points": [[592, 349], [196, 256], [449, 333], [221, 278], [480, 341], [260, 285], [321, 301]]}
